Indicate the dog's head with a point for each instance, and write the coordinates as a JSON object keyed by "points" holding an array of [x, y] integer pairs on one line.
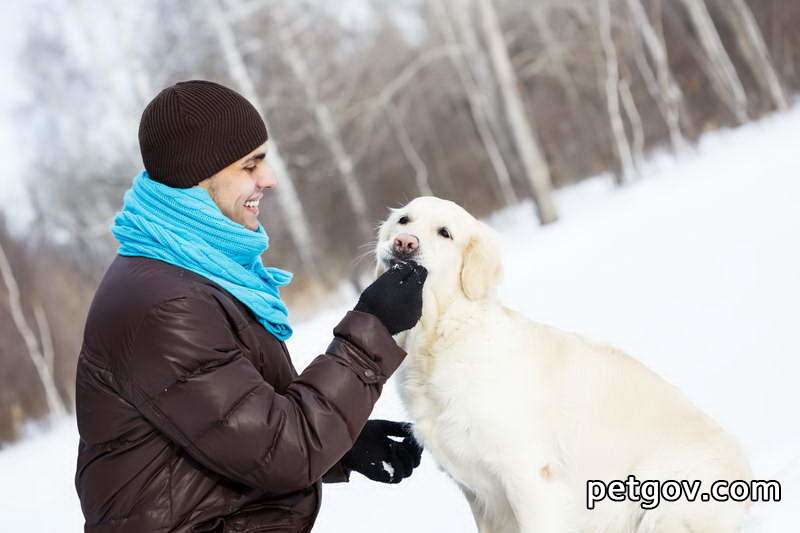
{"points": [[461, 254]]}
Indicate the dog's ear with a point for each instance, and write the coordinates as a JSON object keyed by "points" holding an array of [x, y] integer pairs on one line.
{"points": [[482, 268]]}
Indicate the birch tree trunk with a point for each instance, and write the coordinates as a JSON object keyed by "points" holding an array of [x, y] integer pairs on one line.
{"points": [[635, 119], [479, 107], [329, 130], [295, 221], [539, 13], [755, 51], [527, 145], [612, 93], [413, 157], [43, 325], [55, 404], [478, 63], [721, 70], [669, 95]]}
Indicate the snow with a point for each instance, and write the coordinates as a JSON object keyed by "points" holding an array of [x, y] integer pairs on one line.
{"points": [[36, 482], [694, 269], [387, 468]]}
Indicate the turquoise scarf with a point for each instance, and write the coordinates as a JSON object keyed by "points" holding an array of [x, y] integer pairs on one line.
{"points": [[185, 228]]}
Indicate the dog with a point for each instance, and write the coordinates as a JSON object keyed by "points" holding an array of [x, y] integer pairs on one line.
{"points": [[524, 417]]}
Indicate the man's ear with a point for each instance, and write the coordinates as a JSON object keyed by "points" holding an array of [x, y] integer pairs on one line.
{"points": [[481, 268]]}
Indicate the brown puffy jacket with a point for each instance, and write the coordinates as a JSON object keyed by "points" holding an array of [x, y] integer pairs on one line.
{"points": [[192, 417]]}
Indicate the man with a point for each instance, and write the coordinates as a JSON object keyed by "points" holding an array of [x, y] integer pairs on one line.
{"points": [[191, 415]]}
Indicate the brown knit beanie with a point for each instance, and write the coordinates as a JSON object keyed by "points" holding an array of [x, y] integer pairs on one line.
{"points": [[194, 129]]}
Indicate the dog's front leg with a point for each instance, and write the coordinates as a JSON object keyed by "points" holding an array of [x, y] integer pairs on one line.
{"points": [[477, 509], [489, 521]]}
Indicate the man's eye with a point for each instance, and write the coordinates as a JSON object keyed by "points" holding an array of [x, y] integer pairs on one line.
{"points": [[403, 220], [249, 169], [444, 233]]}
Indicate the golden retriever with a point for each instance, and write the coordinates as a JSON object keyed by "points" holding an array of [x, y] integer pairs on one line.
{"points": [[527, 419]]}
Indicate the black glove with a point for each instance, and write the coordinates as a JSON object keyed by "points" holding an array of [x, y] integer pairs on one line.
{"points": [[383, 459], [396, 296]]}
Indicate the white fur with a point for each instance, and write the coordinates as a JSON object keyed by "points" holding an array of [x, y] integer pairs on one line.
{"points": [[520, 415]]}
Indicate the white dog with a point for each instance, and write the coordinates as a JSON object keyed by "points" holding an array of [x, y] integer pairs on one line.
{"points": [[522, 415]]}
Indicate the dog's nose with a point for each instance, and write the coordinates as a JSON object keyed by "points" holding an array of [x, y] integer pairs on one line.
{"points": [[405, 244]]}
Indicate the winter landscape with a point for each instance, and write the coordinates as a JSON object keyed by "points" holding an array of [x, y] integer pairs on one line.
{"points": [[637, 157], [694, 269]]}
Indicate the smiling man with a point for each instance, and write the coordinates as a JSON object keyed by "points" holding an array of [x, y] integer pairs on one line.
{"points": [[190, 412], [232, 188]]}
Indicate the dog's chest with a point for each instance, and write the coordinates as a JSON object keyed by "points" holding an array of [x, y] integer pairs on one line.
{"points": [[451, 414]]}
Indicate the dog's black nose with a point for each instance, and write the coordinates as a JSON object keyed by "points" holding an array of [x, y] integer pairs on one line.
{"points": [[405, 244]]}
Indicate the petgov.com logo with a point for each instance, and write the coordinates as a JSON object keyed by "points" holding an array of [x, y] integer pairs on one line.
{"points": [[651, 492]]}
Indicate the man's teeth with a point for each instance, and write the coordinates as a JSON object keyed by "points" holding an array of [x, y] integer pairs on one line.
{"points": [[251, 203]]}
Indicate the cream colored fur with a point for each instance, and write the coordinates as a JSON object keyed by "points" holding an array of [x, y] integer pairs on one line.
{"points": [[520, 415]]}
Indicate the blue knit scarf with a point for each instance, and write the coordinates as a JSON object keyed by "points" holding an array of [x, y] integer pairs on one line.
{"points": [[184, 227]]}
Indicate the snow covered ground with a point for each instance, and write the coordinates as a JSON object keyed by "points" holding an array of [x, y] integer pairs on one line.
{"points": [[695, 270]]}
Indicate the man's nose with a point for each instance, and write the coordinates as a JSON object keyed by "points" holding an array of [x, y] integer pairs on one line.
{"points": [[405, 244], [266, 179]]}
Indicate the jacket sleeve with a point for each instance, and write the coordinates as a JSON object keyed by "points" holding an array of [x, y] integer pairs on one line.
{"points": [[337, 474], [187, 375]]}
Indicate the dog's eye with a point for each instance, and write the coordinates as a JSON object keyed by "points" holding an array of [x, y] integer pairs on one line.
{"points": [[403, 220], [444, 233]]}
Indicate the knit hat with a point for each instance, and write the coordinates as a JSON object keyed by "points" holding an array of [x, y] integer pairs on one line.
{"points": [[194, 129]]}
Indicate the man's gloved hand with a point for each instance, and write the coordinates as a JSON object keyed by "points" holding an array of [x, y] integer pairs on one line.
{"points": [[381, 458], [396, 296]]}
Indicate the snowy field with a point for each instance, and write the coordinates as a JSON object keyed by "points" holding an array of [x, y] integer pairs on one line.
{"points": [[694, 269]]}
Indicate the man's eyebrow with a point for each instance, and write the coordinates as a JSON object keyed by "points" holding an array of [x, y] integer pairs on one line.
{"points": [[257, 157]]}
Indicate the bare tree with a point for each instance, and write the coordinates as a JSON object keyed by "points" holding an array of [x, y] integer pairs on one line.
{"points": [[662, 87], [613, 92], [43, 325], [81, 30], [719, 65], [635, 120], [478, 61], [536, 168], [40, 361], [479, 106], [411, 153], [554, 50], [98, 64], [327, 127], [751, 42], [287, 194]]}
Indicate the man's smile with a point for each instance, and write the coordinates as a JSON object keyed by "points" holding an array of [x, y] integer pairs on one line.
{"points": [[252, 204]]}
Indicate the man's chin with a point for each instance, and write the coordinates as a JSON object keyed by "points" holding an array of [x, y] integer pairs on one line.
{"points": [[252, 225]]}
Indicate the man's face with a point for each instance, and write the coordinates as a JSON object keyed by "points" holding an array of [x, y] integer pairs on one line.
{"points": [[238, 188]]}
